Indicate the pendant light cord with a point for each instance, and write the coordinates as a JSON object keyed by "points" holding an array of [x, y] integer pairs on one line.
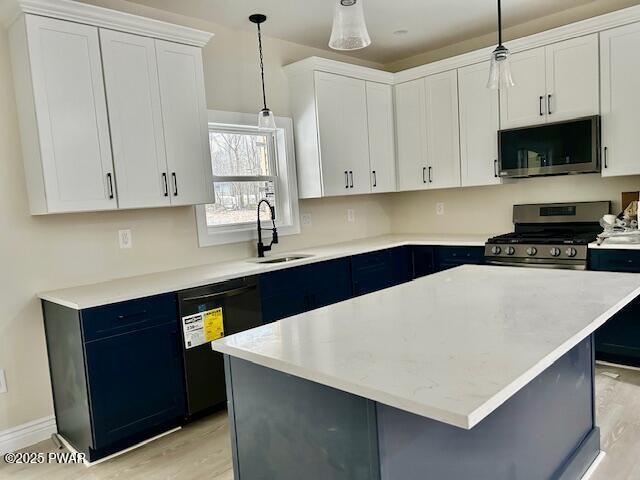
{"points": [[499, 23], [264, 95]]}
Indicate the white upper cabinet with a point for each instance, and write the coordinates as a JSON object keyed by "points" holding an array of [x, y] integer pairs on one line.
{"points": [[443, 140], [109, 119], [343, 128], [344, 138], [411, 134], [620, 74], [133, 96], [553, 83], [479, 124], [525, 103], [186, 131], [573, 80], [63, 116], [382, 150]]}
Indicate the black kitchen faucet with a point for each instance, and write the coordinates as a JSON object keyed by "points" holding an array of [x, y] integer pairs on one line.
{"points": [[274, 238]]}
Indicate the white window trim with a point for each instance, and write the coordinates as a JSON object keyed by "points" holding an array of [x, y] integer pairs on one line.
{"points": [[285, 158]]}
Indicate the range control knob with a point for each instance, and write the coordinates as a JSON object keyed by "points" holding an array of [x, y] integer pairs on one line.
{"points": [[496, 250], [511, 250], [571, 252], [555, 252], [531, 251]]}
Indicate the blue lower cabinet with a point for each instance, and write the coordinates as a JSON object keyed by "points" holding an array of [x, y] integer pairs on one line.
{"points": [[135, 382], [450, 257], [382, 269], [116, 372], [618, 340], [296, 290], [423, 258]]}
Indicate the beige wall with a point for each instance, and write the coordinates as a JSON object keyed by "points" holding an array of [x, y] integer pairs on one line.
{"points": [[489, 209], [41, 253]]}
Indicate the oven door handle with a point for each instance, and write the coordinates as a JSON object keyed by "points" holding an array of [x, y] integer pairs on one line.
{"points": [[563, 266]]}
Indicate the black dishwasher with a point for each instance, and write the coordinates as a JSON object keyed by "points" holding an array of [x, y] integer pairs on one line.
{"points": [[206, 313]]}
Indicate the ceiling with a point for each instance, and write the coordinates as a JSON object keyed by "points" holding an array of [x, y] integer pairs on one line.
{"points": [[430, 24]]}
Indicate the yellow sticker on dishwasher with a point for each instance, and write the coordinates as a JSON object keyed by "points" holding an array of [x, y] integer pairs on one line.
{"points": [[213, 324]]}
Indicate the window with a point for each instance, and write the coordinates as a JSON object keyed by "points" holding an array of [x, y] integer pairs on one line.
{"points": [[248, 165]]}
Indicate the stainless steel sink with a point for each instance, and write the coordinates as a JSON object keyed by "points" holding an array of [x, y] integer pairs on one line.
{"points": [[289, 258]]}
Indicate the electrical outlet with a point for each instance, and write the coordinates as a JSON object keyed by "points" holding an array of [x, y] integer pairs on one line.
{"points": [[305, 219], [440, 208], [3, 381], [351, 215], [125, 238]]}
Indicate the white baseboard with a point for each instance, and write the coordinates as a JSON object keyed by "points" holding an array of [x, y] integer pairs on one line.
{"points": [[27, 434]]}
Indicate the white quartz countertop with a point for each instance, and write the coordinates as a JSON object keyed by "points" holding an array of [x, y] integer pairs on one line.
{"points": [[122, 289], [452, 346], [615, 246]]}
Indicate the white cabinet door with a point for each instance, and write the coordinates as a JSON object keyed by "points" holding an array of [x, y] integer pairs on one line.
{"points": [[479, 124], [184, 114], [443, 137], [573, 78], [411, 135], [133, 96], [620, 71], [525, 103], [344, 139], [382, 151], [71, 115]]}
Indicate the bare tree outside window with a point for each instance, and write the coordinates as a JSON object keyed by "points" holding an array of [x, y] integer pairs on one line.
{"points": [[244, 173]]}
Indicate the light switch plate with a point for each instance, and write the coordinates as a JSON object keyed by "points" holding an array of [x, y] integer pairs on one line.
{"points": [[305, 219], [125, 238], [3, 381], [440, 208], [351, 215]]}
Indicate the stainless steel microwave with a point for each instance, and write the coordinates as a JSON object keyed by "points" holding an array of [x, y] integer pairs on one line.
{"points": [[552, 149]]}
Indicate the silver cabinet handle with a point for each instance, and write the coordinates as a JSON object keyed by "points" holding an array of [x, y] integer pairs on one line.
{"points": [[495, 168], [351, 175], [375, 179], [346, 179], [549, 104], [175, 184], [110, 184], [430, 178], [166, 184], [424, 171]]}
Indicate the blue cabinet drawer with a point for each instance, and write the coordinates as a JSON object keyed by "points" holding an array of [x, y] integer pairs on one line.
{"points": [[615, 260], [449, 257], [423, 260], [124, 317]]}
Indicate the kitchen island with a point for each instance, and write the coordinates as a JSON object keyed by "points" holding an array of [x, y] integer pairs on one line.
{"points": [[475, 372]]}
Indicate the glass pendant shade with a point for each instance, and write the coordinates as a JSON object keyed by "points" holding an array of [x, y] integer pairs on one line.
{"points": [[500, 74], [266, 119], [349, 30]]}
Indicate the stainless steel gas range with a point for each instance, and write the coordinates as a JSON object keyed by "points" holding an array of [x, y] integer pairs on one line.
{"points": [[553, 235]]}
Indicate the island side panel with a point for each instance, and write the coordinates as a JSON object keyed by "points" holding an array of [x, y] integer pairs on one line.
{"points": [[545, 431], [287, 428]]}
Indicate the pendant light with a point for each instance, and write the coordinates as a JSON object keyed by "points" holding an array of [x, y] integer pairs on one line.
{"points": [[266, 119], [500, 74], [349, 30]]}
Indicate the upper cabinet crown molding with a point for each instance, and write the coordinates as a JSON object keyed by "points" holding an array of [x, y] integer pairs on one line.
{"points": [[320, 64], [78, 12]]}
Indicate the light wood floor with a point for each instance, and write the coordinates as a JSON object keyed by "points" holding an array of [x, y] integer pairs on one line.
{"points": [[201, 450]]}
